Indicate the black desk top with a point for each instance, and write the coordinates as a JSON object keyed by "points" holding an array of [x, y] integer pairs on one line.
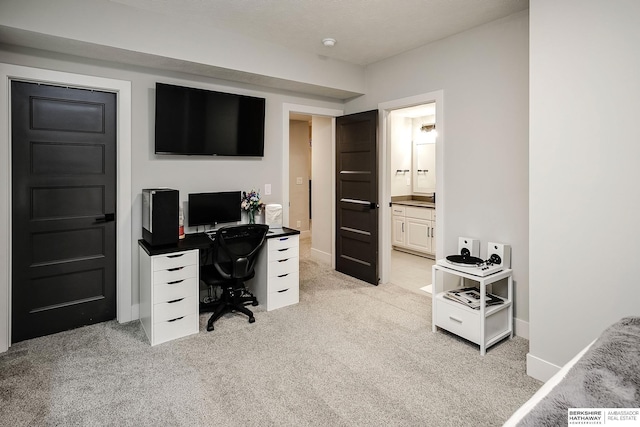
{"points": [[202, 241]]}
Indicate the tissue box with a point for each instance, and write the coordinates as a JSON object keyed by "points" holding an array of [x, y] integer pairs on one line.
{"points": [[273, 215]]}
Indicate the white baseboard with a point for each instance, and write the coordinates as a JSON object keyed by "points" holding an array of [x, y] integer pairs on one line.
{"points": [[540, 369], [321, 256], [521, 328]]}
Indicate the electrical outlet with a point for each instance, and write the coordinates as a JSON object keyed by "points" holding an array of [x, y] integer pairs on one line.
{"points": [[299, 224], [267, 189]]}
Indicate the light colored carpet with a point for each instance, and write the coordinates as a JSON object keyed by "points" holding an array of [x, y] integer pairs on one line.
{"points": [[349, 354]]}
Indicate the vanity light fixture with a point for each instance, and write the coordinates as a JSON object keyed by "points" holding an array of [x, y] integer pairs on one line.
{"points": [[329, 42], [428, 128]]}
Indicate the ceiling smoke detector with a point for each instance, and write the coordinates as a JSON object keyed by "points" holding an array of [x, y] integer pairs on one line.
{"points": [[328, 42]]}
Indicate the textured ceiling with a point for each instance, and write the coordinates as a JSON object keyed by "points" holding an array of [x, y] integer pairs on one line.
{"points": [[366, 30]]}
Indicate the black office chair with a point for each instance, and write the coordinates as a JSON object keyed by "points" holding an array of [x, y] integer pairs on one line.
{"points": [[235, 250]]}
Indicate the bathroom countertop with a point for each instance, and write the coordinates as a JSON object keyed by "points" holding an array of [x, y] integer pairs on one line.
{"points": [[417, 203]]}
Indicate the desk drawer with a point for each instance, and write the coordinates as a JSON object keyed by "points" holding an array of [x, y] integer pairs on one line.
{"points": [[173, 260], [283, 298], [164, 292], [175, 274], [283, 266], [458, 320], [283, 253], [173, 309], [282, 242], [172, 329], [283, 281]]}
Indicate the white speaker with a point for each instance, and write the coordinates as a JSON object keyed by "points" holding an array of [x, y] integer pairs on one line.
{"points": [[502, 251], [472, 245], [273, 215]]}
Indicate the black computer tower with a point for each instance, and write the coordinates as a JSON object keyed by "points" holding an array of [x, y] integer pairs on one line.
{"points": [[160, 210]]}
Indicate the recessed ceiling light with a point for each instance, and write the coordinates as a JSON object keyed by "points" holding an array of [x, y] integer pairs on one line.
{"points": [[328, 42]]}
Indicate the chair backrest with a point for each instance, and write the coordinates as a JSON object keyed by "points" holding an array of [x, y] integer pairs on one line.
{"points": [[236, 248]]}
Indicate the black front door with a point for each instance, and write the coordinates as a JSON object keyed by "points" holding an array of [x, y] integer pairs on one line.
{"points": [[357, 195], [63, 205]]}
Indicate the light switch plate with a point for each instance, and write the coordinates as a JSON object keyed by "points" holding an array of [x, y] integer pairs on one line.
{"points": [[267, 189], [299, 180]]}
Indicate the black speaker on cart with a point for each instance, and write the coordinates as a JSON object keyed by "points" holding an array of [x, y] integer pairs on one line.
{"points": [[160, 210]]}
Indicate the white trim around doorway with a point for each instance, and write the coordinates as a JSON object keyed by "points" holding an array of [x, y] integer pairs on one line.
{"points": [[8, 72], [384, 238], [287, 109]]}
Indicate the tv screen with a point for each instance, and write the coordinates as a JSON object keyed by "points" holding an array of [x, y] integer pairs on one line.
{"points": [[203, 122], [213, 208]]}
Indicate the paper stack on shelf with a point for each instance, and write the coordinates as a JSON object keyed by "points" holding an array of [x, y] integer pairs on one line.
{"points": [[471, 297]]}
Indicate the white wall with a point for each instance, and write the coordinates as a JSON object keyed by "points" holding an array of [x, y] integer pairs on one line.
{"points": [[400, 140], [185, 173], [584, 154], [322, 159], [483, 74]]}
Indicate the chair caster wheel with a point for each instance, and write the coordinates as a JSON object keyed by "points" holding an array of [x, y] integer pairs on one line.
{"points": [[252, 319], [255, 303]]}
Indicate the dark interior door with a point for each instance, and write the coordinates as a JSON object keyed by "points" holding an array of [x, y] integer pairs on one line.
{"points": [[63, 205], [357, 195]]}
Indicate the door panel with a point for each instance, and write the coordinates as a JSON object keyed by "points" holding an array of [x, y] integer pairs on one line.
{"points": [[63, 183], [357, 196]]}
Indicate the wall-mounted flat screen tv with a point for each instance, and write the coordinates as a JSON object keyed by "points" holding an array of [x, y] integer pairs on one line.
{"points": [[194, 121]]}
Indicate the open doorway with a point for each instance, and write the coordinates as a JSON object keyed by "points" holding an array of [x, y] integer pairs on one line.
{"points": [[309, 182], [431, 237], [300, 172], [412, 139]]}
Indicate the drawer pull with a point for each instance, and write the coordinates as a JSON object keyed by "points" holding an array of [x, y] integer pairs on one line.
{"points": [[282, 239], [283, 275], [177, 318], [284, 290], [455, 319], [283, 260], [175, 256], [175, 281], [175, 269], [282, 250], [175, 300]]}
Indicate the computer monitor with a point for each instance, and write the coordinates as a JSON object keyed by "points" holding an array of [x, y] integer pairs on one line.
{"points": [[213, 208]]}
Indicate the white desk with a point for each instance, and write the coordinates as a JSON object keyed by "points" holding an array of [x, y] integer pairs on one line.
{"points": [[169, 282]]}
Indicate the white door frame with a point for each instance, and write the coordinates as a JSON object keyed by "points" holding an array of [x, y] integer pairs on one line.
{"points": [[8, 72], [384, 238], [287, 109]]}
